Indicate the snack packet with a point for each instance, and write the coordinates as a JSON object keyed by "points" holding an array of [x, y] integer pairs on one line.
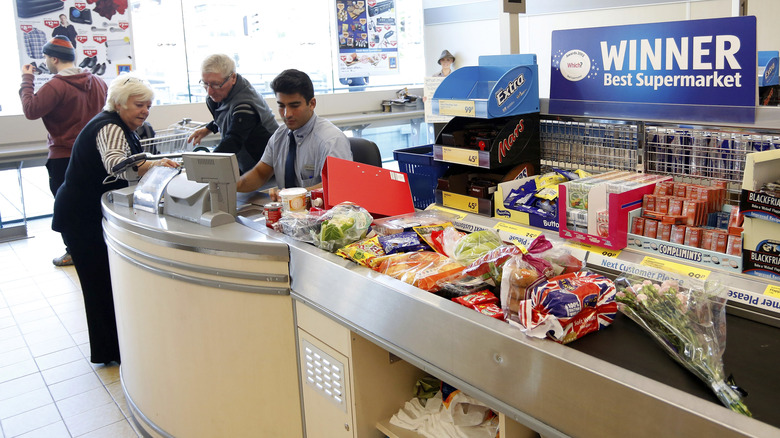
{"points": [[362, 252], [408, 241]]}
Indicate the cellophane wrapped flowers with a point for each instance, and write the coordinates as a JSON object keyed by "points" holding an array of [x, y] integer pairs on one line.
{"points": [[689, 323]]}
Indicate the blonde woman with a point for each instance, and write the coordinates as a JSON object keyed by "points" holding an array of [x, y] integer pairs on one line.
{"points": [[105, 141]]}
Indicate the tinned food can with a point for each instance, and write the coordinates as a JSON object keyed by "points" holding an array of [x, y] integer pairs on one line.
{"points": [[272, 212]]}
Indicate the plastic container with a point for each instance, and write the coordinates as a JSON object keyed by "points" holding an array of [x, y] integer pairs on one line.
{"points": [[293, 199], [423, 172]]}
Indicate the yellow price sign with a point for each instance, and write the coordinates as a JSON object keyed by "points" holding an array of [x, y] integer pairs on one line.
{"points": [[458, 214], [469, 157], [456, 108], [606, 252], [772, 291], [517, 230], [689, 271], [460, 202]]}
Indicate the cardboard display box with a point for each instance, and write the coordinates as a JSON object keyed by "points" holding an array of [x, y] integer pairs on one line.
{"points": [[520, 217], [686, 253], [761, 248], [490, 144], [618, 206], [760, 168]]}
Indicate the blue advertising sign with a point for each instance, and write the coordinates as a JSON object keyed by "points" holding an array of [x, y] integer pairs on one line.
{"points": [[689, 70]]}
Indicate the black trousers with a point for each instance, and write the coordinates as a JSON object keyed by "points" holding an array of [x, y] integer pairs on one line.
{"points": [[56, 168], [90, 256]]}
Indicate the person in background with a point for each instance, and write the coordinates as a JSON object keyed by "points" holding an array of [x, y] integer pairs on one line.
{"points": [[65, 29], [446, 61], [297, 151], [65, 103], [240, 114], [104, 142]]}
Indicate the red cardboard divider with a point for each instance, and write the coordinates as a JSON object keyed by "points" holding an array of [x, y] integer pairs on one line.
{"points": [[382, 192], [620, 204]]}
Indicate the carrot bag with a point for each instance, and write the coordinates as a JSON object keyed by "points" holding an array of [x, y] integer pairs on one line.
{"points": [[422, 269]]}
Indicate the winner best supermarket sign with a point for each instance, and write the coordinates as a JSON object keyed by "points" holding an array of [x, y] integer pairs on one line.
{"points": [[684, 70]]}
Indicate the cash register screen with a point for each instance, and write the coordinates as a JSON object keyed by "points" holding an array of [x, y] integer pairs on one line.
{"points": [[211, 167]]}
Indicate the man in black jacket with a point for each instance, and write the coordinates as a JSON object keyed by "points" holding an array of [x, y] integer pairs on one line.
{"points": [[241, 115]]}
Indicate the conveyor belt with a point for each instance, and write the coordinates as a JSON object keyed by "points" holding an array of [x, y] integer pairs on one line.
{"points": [[750, 347]]}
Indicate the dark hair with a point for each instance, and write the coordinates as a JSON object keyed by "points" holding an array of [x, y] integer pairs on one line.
{"points": [[293, 81]]}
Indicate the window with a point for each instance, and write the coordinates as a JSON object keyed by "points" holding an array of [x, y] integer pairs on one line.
{"points": [[263, 38], [171, 38]]}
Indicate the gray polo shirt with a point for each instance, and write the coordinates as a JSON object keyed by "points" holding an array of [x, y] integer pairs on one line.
{"points": [[316, 140]]}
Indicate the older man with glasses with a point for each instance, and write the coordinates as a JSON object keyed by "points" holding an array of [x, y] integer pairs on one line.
{"points": [[240, 114]]}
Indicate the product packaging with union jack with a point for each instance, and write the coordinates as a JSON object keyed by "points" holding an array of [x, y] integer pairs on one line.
{"points": [[568, 307]]}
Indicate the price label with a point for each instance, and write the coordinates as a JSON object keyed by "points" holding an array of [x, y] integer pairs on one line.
{"points": [[772, 291], [460, 202], [469, 157], [688, 271], [456, 108], [517, 230], [458, 214], [606, 252]]}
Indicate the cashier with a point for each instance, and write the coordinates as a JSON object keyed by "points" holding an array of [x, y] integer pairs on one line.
{"points": [[104, 142], [296, 152]]}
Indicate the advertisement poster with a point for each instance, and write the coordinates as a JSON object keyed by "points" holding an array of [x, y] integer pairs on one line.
{"points": [[368, 37], [656, 70], [98, 29], [431, 84]]}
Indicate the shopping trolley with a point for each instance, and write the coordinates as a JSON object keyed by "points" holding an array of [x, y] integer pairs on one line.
{"points": [[172, 139]]}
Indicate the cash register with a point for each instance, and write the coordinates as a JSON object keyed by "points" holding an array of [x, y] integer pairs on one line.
{"points": [[203, 191]]}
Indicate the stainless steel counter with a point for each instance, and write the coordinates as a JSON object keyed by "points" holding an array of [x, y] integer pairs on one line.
{"points": [[612, 383]]}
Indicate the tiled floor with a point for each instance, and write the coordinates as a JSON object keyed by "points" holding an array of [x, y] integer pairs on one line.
{"points": [[48, 387]]}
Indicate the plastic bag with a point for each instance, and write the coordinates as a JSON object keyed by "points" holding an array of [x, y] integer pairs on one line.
{"points": [[299, 225], [567, 307], [341, 225], [422, 269], [688, 319], [472, 246], [518, 277]]}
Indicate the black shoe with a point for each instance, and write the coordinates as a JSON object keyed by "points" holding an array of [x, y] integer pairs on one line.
{"points": [[95, 69], [92, 63], [84, 62], [101, 69]]}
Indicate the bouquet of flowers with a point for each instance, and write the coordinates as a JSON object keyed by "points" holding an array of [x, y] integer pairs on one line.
{"points": [[689, 323]]}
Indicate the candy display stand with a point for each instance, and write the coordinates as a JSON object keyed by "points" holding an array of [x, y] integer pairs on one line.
{"points": [[500, 86]]}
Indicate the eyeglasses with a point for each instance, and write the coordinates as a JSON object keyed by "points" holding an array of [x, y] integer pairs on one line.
{"points": [[206, 85]]}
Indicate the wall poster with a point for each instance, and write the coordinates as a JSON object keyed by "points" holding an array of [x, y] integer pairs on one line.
{"points": [[368, 37], [98, 29]]}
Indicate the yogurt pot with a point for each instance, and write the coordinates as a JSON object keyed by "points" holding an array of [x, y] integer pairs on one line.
{"points": [[293, 199]]}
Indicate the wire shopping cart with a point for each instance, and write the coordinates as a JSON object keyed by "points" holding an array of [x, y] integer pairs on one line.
{"points": [[172, 139]]}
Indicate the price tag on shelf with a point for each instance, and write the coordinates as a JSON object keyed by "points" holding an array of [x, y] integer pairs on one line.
{"points": [[689, 271], [517, 230], [772, 291], [456, 108], [606, 252], [458, 214], [460, 202], [469, 157]]}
